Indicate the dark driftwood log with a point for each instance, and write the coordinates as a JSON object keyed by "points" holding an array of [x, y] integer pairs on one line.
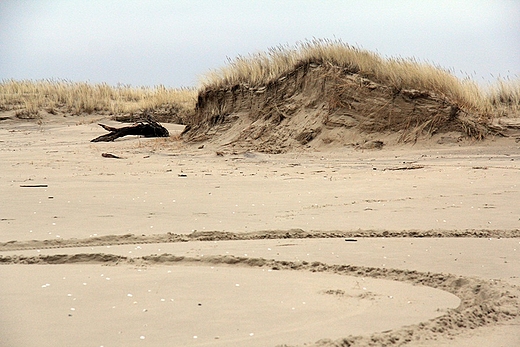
{"points": [[148, 128]]}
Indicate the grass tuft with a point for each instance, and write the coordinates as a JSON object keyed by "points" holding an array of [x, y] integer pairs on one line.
{"points": [[505, 96]]}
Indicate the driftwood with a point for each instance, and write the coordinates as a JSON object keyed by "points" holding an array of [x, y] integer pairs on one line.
{"points": [[146, 128], [110, 155]]}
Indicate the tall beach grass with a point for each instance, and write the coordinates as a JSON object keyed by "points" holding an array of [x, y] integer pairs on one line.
{"points": [[401, 73], [27, 97]]}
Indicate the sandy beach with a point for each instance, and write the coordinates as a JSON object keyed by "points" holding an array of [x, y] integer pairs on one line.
{"points": [[173, 244]]}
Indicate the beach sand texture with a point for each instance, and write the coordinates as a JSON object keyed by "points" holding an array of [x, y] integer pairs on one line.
{"points": [[176, 245]]}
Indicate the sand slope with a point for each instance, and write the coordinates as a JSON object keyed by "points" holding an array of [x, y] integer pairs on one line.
{"points": [[319, 104]]}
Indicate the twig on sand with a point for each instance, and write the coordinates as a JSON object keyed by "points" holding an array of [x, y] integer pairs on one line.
{"points": [[110, 155], [410, 167]]}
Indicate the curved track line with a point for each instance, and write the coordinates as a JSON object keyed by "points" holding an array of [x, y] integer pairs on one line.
{"points": [[483, 302]]}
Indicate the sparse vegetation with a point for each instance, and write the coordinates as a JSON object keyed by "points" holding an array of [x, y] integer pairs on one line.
{"points": [[27, 98]]}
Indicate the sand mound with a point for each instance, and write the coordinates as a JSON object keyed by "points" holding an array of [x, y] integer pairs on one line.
{"points": [[319, 104]]}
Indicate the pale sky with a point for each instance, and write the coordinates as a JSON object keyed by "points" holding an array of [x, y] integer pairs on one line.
{"points": [[174, 42]]}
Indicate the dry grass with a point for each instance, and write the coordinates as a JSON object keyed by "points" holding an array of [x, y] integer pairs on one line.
{"points": [[505, 96], [259, 69], [28, 97]]}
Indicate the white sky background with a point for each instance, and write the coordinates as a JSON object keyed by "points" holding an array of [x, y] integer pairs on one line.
{"points": [[174, 42]]}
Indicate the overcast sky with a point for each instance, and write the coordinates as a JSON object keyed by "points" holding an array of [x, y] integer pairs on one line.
{"points": [[173, 42]]}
